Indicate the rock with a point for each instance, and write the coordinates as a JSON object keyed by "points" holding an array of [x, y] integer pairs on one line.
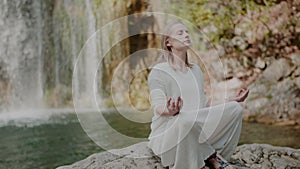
{"points": [[267, 156], [233, 83], [231, 66], [138, 156], [296, 72], [271, 102], [295, 58], [297, 82], [260, 63], [239, 42], [277, 70]]}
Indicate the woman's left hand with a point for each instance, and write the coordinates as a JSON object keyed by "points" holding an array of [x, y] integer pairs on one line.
{"points": [[241, 95]]}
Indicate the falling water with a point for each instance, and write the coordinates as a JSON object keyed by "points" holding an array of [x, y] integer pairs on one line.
{"points": [[39, 89], [74, 50], [91, 52], [26, 68], [85, 72]]}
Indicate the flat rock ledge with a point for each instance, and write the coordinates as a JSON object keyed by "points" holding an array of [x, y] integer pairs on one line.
{"points": [[139, 156]]}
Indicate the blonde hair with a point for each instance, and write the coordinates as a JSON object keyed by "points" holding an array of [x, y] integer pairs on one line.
{"points": [[167, 52]]}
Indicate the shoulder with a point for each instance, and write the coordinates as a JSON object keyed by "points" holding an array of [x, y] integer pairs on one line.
{"points": [[160, 67], [159, 71], [196, 68], [163, 65]]}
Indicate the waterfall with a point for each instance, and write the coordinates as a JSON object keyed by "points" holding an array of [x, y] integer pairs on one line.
{"points": [[91, 53], [74, 49], [24, 54], [39, 90], [43, 42], [85, 72]]}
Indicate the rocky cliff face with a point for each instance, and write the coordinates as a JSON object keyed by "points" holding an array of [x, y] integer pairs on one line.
{"points": [[275, 93], [138, 156], [263, 55]]}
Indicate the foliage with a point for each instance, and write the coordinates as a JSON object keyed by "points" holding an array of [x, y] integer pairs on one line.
{"points": [[217, 18], [249, 28]]}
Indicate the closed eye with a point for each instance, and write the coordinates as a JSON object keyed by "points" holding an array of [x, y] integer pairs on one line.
{"points": [[180, 32]]}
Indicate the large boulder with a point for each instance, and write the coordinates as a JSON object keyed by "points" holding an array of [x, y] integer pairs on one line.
{"points": [[267, 156], [274, 95], [139, 156]]}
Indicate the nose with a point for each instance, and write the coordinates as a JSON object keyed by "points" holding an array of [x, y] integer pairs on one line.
{"points": [[186, 34]]}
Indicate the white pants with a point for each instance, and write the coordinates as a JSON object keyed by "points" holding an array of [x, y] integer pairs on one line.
{"points": [[191, 137]]}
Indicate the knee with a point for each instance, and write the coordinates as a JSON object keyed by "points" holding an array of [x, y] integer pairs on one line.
{"points": [[186, 123]]}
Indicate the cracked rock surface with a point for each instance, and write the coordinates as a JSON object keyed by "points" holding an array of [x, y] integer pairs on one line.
{"points": [[138, 156], [267, 156]]}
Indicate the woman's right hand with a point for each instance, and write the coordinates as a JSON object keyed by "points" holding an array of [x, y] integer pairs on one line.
{"points": [[174, 106]]}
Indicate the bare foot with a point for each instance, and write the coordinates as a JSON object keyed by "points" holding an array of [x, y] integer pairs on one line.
{"points": [[219, 161], [205, 167]]}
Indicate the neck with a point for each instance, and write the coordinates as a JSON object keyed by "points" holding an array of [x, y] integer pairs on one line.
{"points": [[179, 59]]}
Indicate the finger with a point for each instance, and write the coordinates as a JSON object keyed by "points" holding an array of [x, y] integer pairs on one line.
{"points": [[168, 102], [169, 107], [181, 104], [178, 102], [240, 92], [246, 92], [244, 96], [173, 104]]}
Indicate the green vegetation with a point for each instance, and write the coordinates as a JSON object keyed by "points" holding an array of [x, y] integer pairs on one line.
{"points": [[252, 28], [218, 16]]}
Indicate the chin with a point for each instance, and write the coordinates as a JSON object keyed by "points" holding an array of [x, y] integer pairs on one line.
{"points": [[188, 44]]}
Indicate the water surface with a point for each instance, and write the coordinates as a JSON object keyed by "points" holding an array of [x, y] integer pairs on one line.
{"points": [[60, 140]]}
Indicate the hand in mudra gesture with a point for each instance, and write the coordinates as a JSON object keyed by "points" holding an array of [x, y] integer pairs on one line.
{"points": [[241, 95], [174, 105]]}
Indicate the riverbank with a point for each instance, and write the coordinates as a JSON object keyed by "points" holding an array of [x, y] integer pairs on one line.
{"points": [[138, 156]]}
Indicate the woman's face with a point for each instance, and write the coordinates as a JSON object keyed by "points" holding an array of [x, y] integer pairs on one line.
{"points": [[179, 37]]}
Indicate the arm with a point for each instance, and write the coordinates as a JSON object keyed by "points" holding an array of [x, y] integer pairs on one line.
{"points": [[240, 97], [171, 109], [157, 86]]}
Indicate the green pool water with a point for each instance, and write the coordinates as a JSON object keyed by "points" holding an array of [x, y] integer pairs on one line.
{"points": [[61, 140]]}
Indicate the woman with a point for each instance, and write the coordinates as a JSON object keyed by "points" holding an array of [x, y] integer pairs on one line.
{"points": [[185, 132]]}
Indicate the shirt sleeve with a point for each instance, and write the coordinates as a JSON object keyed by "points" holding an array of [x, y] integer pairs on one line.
{"points": [[157, 87]]}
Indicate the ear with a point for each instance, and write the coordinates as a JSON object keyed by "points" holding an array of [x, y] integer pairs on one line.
{"points": [[168, 43]]}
